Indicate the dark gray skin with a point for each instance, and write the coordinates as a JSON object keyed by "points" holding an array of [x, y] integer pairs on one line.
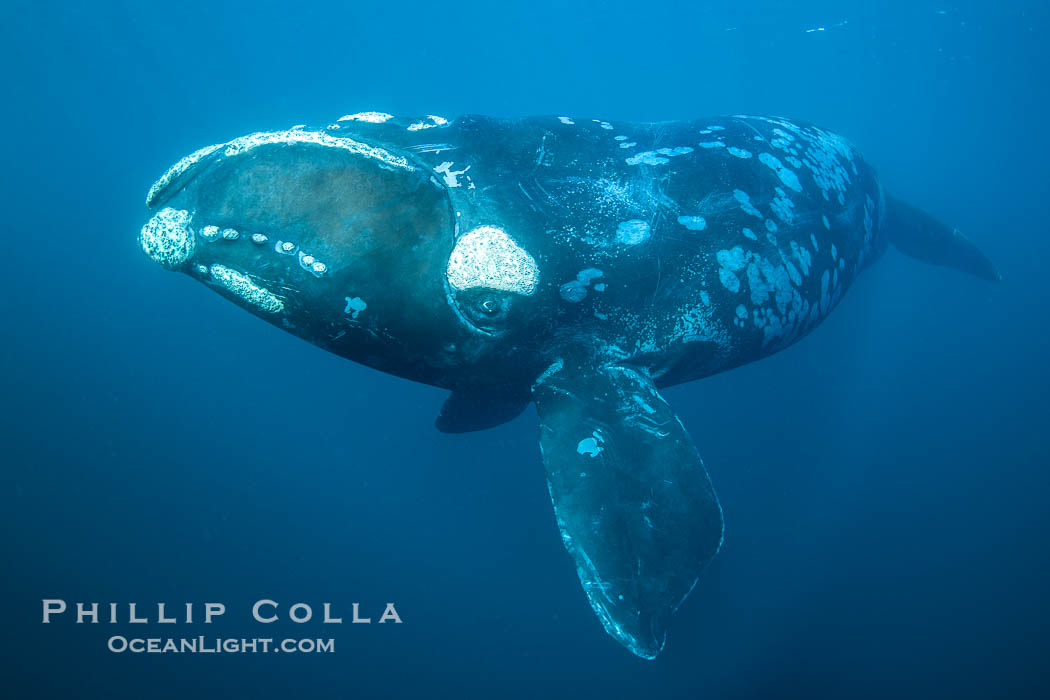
{"points": [[578, 264]]}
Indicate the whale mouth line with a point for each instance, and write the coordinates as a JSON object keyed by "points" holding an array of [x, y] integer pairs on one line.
{"points": [[172, 239]]}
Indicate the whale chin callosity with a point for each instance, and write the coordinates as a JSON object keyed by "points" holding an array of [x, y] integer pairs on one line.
{"points": [[577, 264]]}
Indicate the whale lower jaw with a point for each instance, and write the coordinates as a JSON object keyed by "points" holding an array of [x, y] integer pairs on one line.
{"points": [[171, 238]]}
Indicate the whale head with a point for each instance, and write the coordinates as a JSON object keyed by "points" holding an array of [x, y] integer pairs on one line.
{"points": [[347, 244]]}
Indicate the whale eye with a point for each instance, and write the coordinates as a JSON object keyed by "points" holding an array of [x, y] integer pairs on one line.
{"points": [[486, 309], [490, 306]]}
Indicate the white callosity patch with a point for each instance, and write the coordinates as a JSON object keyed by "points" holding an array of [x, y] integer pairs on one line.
{"points": [[240, 284], [451, 176], [591, 446], [693, 223], [264, 138], [210, 233], [487, 258], [176, 170], [370, 117], [430, 122], [632, 232], [167, 238], [659, 156], [786, 175], [354, 306], [312, 265]]}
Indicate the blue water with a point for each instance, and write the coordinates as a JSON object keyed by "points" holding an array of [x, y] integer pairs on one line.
{"points": [[884, 481]]}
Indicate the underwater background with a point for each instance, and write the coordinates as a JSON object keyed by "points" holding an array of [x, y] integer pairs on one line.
{"points": [[884, 482]]}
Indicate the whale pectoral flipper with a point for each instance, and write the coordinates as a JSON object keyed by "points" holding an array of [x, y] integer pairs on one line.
{"points": [[467, 411], [633, 501]]}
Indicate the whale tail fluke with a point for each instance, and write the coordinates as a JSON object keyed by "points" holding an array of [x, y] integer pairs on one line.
{"points": [[921, 236]]}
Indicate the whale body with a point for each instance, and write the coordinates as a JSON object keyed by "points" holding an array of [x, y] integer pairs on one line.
{"points": [[577, 264]]}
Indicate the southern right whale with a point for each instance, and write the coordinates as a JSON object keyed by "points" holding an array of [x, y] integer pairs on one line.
{"points": [[579, 264]]}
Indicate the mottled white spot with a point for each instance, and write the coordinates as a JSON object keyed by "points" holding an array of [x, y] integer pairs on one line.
{"points": [[209, 233], [827, 224], [750, 234], [813, 240], [632, 232], [712, 144], [451, 176], [431, 122], [176, 170], [739, 152], [242, 286], [782, 206], [591, 446], [734, 259], [487, 257], [591, 273], [354, 306], [659, 156], [729, 280], [693, 223], [370, 117], [745, 203], [573, 292], [251, 141], [566, 120], [783, 172], [167, 238]]}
